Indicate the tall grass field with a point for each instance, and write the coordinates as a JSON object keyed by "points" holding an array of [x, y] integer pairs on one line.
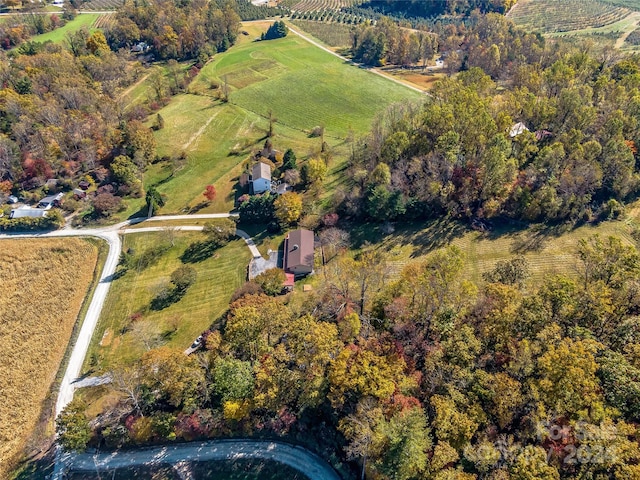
{"points": [[44, 283]]}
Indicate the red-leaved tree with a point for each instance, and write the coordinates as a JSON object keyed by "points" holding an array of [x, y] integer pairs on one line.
{"points": [[210, 193]]}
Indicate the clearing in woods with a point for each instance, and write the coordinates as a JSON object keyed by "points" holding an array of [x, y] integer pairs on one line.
{"points": [[45, 282], [548, 250], [300, 84]]}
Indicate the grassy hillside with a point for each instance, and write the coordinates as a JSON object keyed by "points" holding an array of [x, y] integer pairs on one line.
{"points": [[548, 250], [58, 35], [44, 283], [302, 85], [550, 16], [118, 338]]}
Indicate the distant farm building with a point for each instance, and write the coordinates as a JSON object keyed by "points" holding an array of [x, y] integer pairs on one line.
{"points": [[261, 177], [298, 252]]}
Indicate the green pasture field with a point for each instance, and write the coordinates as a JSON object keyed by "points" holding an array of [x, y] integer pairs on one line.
{"points": [[300, 84], [119, 340], [58, 35]]}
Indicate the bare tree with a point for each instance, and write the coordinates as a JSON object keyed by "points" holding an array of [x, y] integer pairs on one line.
{"points": [[332, 240], [127, 381]]}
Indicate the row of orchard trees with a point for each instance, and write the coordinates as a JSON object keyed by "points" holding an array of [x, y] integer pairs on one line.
{"points": [[457, 154], [419, 375], [422, 9], [178, 30]]}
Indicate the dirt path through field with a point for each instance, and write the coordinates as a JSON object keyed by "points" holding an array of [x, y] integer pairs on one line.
{"points": [[372, 70], [200, 131], [620, 41], [130, 88]]}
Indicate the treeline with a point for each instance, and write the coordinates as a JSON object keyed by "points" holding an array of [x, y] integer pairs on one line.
{"points": [[558, 144], [176, 30], [421, 8], [416, 375], [16, 29], [387, 43], [248, 11]]}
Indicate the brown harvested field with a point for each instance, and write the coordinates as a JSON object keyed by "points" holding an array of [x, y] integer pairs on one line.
{"points": [[44, 283], [425, 81]]}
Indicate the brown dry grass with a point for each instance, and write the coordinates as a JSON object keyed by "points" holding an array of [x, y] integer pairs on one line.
{"points": [[44, 282]]}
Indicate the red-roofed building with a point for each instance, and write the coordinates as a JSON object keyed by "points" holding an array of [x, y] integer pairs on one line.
{"points": [[298, 252]]}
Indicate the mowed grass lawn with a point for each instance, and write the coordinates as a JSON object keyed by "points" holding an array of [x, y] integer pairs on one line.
{"points": [[44, 283], [119, 340], [59, 34], [302, 85]]}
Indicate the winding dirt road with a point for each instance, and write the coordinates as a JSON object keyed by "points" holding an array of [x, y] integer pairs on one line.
{"points": [[181, 455]]}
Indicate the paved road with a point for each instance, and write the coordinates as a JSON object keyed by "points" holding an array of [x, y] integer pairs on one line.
{"points": [[299, 458]]}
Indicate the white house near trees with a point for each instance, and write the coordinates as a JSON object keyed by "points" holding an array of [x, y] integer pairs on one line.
{"points": [[261, 177]]}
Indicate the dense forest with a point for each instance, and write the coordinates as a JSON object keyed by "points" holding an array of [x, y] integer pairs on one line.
{"points": [[178, 30], [525, 131], [61, 116], [419, 375]]}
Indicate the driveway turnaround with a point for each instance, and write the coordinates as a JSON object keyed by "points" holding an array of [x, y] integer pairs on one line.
{"points": [[298, 458]]}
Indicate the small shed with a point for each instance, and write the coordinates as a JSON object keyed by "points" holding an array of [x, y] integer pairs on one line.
{"points": [[298, 252], [79, 194], [261, 177], [518, 129]]}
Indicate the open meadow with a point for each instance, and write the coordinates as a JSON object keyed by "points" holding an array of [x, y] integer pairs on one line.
{"points": [[45, 282], [301, 85], [129, 325], [59, 34]]}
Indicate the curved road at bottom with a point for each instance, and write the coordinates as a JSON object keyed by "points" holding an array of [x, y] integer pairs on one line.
{"points": [[180, 455]]}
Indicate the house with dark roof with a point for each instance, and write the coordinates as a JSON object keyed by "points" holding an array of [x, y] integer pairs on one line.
{"points": [[261, 177], [50, 201], [298, 252]]}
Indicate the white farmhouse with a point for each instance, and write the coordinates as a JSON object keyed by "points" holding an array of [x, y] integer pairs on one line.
{"points": [[261, 177]]}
